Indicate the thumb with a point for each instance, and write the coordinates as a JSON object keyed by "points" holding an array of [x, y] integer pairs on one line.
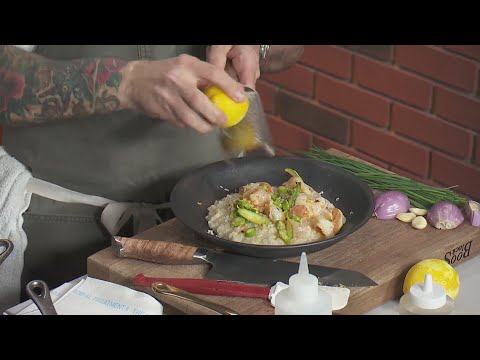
{"points": [[247, 72]]}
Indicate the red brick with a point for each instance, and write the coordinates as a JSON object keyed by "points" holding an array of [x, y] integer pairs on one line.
{"points": [[326, 144], [431, 130], [297, 78], [312, 116], [478, 83], [457, 108], [267, 95], [395, 83], [352, 99], [390, 148], [437, 64], [380, 52], [450, 172], [329, 59], [471, 51], [477, 149], [288, 136]]}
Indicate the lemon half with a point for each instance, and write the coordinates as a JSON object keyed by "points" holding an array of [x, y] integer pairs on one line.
{"points": [[442, 273], [234, 111]]}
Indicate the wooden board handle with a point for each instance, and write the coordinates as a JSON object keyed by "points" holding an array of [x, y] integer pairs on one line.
{"points": [[160, 252]]}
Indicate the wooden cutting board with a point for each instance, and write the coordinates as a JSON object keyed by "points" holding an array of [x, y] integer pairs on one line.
{"points": [[383, 250]]}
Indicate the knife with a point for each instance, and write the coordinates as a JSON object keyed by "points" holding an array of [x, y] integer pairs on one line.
{"points": [[232, 267]]}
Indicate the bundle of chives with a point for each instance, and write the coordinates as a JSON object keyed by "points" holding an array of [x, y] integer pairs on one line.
{"points": [[420, 195]]}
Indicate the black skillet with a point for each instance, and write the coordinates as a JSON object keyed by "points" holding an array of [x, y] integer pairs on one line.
{"points": [[194, 193]]}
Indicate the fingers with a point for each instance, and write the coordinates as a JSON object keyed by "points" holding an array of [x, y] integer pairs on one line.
{"points": [[205, 72], [245, 61], [217, 55], [247, 71], [230, 70], [200, 103], [219, 77], [190, 118]]}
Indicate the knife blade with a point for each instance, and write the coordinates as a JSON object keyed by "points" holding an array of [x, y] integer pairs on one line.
{"points": [[233, 267], [251, 136]]}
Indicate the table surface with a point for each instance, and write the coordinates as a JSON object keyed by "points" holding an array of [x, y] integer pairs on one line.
{"points": [[386, 259], [468, 299]]}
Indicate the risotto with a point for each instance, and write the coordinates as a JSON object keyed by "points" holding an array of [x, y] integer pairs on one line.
{"points": [[262, 214]]}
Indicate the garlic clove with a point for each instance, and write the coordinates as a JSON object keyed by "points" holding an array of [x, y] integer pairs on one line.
{"points": [[406, 217], [417, 211], [419, 223]]}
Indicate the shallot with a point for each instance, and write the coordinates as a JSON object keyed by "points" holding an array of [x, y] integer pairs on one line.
{"points": [[445, 216], [473, 212], [389, 204]]}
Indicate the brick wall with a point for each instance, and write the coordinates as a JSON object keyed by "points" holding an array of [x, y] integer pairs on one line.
{"points": [[414, 109]]}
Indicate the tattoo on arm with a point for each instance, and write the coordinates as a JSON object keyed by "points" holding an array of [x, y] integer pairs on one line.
{"points": [[34, 89]]}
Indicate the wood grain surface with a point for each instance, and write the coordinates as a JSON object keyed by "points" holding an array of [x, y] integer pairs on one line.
{"points": [[384, 250]]}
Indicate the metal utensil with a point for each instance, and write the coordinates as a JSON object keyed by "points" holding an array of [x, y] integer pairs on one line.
{"points": [[165, 289], [233, 267], [8, 245], [251, 136], [43, 300]]}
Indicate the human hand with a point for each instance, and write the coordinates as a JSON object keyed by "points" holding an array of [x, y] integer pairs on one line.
{"points": [[171, 90], [245, 61]]}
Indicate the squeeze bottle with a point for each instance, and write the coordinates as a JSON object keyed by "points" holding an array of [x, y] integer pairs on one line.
{"points": [[426, 298], [303, 295]]}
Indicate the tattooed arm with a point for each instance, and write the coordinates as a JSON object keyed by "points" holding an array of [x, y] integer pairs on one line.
{"points": [[34, 89]]}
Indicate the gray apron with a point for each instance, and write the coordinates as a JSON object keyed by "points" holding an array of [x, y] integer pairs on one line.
{"points": [[123, 156]]}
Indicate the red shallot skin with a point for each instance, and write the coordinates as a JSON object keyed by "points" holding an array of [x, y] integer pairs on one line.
{"points": [[445, 216], [389, 204], [472, 210]]}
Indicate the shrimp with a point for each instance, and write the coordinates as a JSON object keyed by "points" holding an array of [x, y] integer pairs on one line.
{"points": [[338, 220], [300, 211], [274, 213], [258, 194]]}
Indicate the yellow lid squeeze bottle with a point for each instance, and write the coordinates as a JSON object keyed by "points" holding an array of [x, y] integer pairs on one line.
{"points": [[427, 298]]}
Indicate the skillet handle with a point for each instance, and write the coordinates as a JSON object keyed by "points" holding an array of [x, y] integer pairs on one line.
{"points": [[8, 245], [160, 252]]}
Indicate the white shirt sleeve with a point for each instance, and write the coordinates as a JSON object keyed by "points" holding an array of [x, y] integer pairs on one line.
{"points": [[28, 48]]}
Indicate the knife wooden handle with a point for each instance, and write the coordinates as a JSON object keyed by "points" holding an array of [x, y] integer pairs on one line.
{"points": [[160, 252]]}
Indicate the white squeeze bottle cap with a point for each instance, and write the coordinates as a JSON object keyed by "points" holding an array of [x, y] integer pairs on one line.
{"points": [[428, 295], [303, 295]]}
